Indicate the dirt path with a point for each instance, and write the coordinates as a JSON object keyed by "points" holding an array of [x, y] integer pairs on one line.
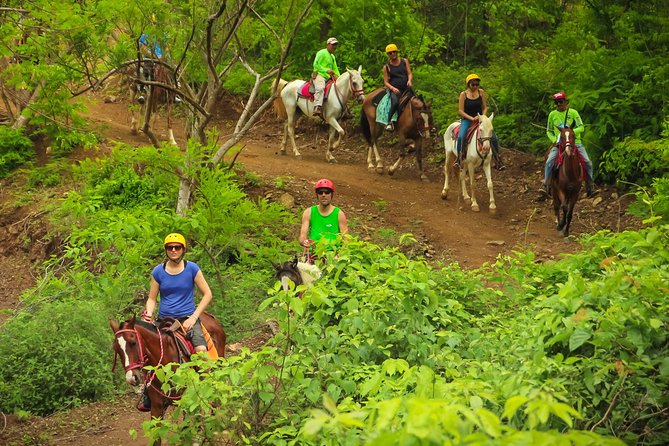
{"points": [[373, 203]]}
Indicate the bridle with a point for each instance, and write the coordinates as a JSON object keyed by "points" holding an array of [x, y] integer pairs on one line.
{"points": [[143, 360], [422, 125], [481, 150], [357, 94], [143, 357]]}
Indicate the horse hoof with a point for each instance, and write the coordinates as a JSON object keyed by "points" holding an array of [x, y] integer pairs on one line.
{"points": [[444, 195], [493, 210], [475, 208], [391, 172], [425, 179], [379, 170]]}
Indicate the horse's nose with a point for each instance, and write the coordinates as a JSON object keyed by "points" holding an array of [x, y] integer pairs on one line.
{"points": [[361, 99]]}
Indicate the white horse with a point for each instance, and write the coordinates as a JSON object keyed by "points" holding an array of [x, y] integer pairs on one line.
{"points": [[287, 102], [478, 153]]}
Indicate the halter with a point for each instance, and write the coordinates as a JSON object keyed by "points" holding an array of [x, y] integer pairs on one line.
{"points": [[356, 94], [479, 143], [426, 127], [143, 357]]}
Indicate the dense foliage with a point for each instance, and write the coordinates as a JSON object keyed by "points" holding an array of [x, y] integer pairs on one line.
{"points": [[387, 350]]}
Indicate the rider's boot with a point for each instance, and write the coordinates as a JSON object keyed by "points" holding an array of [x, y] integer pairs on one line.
{"points": [[590, 189], [317, 111], [499, 164], [145, 404]]}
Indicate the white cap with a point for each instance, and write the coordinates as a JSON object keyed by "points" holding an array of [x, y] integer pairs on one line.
{"points": [[332, 41]]}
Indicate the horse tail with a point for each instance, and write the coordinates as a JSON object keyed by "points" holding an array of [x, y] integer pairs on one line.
{"points": [[364, 123], [279, 106]]}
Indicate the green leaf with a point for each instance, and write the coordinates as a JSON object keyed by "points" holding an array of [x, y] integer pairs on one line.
{"points": [[489, 422], [512, 405], [578, 338]]}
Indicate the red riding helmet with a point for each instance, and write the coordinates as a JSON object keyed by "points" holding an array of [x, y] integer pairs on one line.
{"points": [[324, 184], [559, 95]]}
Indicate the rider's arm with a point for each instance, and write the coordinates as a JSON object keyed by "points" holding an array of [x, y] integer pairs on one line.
{"points": [[551, 127], [386, 80], [335, 68], [203, 286], [461, 107], [410, 76], [304, 229], [152, 299], [319, 63], [578, 126], [484, 100], [343, 226]]}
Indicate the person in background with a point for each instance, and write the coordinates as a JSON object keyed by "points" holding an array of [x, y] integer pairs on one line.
{"points": [[563, 116], [473, 102], [325, 67], [175, 280], [324, 220], [397, 79]]}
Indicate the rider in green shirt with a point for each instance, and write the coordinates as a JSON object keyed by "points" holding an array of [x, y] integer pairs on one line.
{"points": [[323, 221], [564, 116], [325, 67]]}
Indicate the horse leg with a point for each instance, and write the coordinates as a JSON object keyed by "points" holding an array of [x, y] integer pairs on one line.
{"points": [[419, 160], [488, 176], [290, 127], [334, 127], [569, 214], [450, 159], [170, 132], [284, 140], [471, 165]]}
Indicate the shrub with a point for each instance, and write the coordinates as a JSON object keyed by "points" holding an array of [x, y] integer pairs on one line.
{"points": [[15, 149]]}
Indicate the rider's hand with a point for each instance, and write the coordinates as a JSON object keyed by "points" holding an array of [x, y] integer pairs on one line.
{"points": [[188, 323], [146, 317]]}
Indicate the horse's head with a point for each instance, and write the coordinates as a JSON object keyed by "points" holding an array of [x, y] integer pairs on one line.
{"points": [[566, 141], [128, 346], [422, 115], [288, 270], [356, 83], [484, 135]]}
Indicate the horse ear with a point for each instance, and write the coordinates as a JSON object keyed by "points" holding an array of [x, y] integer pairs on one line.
{"points": [[492, 115], [360, 69], [113, 324]]}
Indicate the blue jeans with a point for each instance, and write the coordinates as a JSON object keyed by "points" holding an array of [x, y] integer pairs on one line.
{"points": [[550, 161], [464, 126]]}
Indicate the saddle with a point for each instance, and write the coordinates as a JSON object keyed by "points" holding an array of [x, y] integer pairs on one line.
{"points": [[470, 132], [305, 91], [185, 348]]}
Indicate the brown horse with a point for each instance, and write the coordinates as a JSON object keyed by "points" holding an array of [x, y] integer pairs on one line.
{"points": [[149, 96], [565, 181], [414, 123], [141, 344]]}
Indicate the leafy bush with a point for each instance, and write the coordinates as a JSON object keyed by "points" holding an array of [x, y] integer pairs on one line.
{"points": [[635, 161], [653, 204], [15, 149], [55, 358]]}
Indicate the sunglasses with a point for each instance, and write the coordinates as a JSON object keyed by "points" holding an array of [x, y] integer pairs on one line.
{"points": [[559, 101], [323, 192], [474, 84], [392, 52], [174, 248]]}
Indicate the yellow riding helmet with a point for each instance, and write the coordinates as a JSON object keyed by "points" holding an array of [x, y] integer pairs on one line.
{"points": [[391, 47], [472, 77], [175, 238]]}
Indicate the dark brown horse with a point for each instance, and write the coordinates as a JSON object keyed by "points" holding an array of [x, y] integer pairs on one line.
{"points": [[413, 125], [143, 79], [139, 344], [565, 181]]}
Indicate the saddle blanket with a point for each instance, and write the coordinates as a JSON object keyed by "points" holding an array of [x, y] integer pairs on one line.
{"points": [[303, 91], [382, 110]]}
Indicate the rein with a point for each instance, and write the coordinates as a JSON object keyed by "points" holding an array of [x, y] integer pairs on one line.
{"points": [[143, 361], [356, 94], [479, 143]]}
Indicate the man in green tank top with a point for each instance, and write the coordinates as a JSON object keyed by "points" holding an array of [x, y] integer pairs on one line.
{"points": [[323, 221]]}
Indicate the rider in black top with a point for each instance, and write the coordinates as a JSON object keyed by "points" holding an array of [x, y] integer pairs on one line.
{"points": [[397, 78]]}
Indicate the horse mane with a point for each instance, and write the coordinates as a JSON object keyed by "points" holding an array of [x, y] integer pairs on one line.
{"points": [[279, 107]]}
